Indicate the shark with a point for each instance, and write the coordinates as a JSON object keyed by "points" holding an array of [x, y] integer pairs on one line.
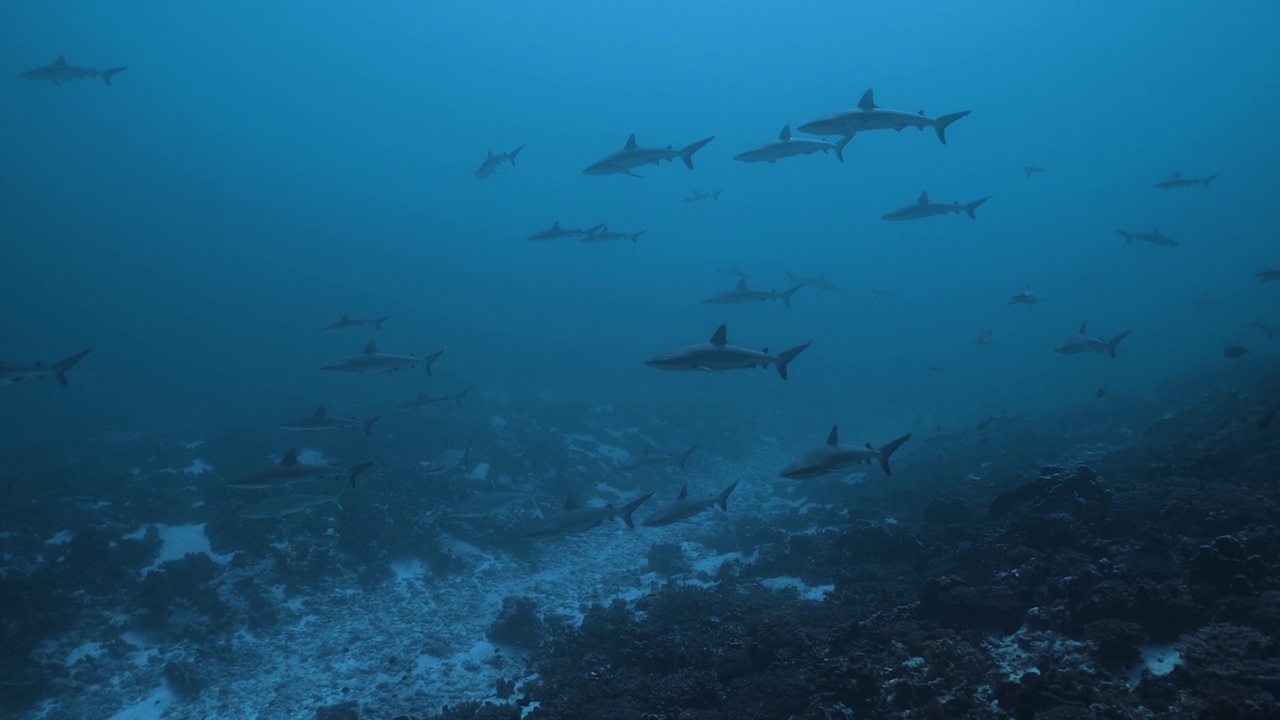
{"points": [[485, 504], [834, 457], [632, 156], [60, 71], [1154, 237], [883, 292], [1024, 297], [786, 146], [281, 505], [492, 162], [923, 208], [602, 234], [732, 271], [700, 196], [322, 420], [868, 116], [1082, 342], [649, 458], [346, 321], [371, 361], [1268, 274], [290, 471], [740, 294], [12, 374], [555, 232], [685, 507], [820, 282], [1177, 181], [984, 335], [423, 400], [993, 421], [449, 460], [574, 519], [717, 355], [1032, 169]]}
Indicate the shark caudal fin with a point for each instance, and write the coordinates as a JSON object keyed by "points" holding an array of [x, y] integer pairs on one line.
{"points": [[723, 497], [354, 471], [369, 423], [636, 235], [716, 195], [512, 155], [888, 449], [106, 74], [1209, 179], [458, 398], [430, 358], [786, 296], [377, 324], [685, 456], [1128, 237], [631, 507], [686, 153], [940, 124], [840, 147], [974, 206], [62, 366], [1113, 342], [786, 356]]}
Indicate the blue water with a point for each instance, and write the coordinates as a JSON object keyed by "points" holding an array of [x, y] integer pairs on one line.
{"points": [[262, 168]]}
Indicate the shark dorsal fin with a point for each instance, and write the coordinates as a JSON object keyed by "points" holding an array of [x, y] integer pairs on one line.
{"points": [[834, 438], [555, 225], [321, 411], [868, 101], [785, 135], [290, 458], [631, 143], [1155, 231], [346, 316], [371, 348], [570, 503], [721, 336], [742, 284], [1082, 328], [1177, 175], [60, 61], [684, 491], [924, 198], [489, 152]]}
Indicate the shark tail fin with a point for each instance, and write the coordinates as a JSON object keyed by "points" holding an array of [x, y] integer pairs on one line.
{"points": [[786, 356], [458, 398], [940, 124], [512, 155], [369, 423], [62, 366], [430, 358], [106, 74], [840, 146], [1209, 179], [354, 471], [723, 497], [631, 507], [680, 460], [716, 195], [786, 296], [636, 235], [974, 206], [888, 449], [686, 153], [1128, 237], [1113, 342], [377, 324]]}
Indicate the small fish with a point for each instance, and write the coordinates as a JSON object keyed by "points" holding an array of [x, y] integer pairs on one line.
{"points": [[883, 292], [1235, 352], [1032, 169], [1265, 421], [1102, 390], [984, 335], [700, 196]]}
